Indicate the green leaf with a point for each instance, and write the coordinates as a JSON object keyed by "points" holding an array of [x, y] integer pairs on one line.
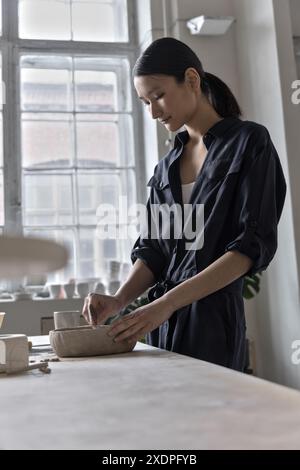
{"points": [[251, 286]]}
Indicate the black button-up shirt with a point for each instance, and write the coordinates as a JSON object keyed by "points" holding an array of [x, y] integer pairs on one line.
{"points": [[242, 189]]}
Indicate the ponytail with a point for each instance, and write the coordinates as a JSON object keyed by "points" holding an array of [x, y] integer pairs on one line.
{"points": [[220, 96]]}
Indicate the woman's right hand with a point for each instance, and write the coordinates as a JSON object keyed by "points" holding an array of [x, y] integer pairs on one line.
{"points": [[98, 308]]}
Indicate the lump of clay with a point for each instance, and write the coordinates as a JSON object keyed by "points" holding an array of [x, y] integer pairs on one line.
{"points": [[86, 341]]}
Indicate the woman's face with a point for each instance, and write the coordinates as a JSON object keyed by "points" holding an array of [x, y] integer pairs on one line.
{"points": [[172, 103]]}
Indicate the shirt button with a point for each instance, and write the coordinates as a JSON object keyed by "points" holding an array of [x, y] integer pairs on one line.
{"points": [[253, 223], [161, 185]]}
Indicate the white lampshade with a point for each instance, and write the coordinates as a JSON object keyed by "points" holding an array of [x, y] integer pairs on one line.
{"points": [[22, 256]]}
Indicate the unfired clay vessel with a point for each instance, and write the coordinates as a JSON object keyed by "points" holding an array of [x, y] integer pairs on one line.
{"points": [[86, 341]]}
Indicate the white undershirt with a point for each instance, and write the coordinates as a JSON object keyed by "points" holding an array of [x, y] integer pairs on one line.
{"points": [[187, 191]]}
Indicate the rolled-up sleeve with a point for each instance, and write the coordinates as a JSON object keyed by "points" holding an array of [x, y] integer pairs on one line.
{"points": [[258, 205]]}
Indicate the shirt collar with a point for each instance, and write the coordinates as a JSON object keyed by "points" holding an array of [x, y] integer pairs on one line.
{"points": [[221, 127], [217, 130]]}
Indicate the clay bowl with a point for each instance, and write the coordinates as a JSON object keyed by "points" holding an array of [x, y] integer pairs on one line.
{"points": [[86, 341]]}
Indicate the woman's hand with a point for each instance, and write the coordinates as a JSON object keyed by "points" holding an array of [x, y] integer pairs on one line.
{"points": [[135, 325], [98, 308]]}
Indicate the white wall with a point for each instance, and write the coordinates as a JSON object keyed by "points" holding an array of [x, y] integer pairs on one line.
{"points": [[256, 58], [217, 54], [295, 17]]}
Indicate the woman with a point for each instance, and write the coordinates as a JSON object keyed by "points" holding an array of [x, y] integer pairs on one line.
{"points": [[219, 162]]}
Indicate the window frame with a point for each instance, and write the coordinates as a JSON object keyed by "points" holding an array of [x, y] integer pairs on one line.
{"points": [[12, 48]]}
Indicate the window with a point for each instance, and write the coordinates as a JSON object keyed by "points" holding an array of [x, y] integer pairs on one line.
{"points": [[76, 20], [74, 146], [2, 99]]}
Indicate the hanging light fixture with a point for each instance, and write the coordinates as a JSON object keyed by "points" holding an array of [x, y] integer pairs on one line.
{"points": [[210, 25]]}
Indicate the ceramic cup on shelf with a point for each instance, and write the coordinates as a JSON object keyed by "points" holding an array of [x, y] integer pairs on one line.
{"points": [[69, 290], [66, 319], [82, 289], [55, 290]]}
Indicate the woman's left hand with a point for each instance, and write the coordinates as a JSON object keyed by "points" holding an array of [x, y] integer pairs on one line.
{"points": [[135, 325]]}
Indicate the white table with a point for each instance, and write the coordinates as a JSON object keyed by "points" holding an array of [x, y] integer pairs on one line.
{"points": [[147, 399]]}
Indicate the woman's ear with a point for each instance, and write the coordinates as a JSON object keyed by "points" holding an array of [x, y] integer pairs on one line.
{"points": [[192, 78]]}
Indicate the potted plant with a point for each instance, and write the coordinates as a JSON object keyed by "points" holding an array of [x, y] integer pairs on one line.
{"points": [[251, 286]]}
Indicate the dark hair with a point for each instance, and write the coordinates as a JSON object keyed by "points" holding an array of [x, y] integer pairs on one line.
{"points": [[168, 56]]}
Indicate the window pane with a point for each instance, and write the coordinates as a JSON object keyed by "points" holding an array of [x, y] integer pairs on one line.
{"points": [[46, 89], [113, 189], [1, 140], [129, 224], [45, 19], [93, 253], [94, 190], [47, 140], [128, 181], [97, 86], [2, 98], [2, 86], [79, 20], [115, 213], [99, 20], [95, 91], [66, 238], [97, 140], [1, 17], [47, 199], [2, 101], [1, 199]]}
